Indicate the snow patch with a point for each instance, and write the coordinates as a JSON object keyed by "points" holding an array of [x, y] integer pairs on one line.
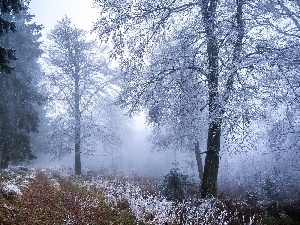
{"points": [[10, 189]]}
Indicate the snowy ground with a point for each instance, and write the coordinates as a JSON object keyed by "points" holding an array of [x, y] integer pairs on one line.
{"points": [[152, 208], [155, 209], [19, 177], [148, 207]]}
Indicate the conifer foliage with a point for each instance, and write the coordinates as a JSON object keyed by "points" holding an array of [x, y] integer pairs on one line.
{"points": [[6, 7], [19, 97]]}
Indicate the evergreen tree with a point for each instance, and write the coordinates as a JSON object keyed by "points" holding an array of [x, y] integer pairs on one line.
{"points": [[19, 96], [7, 54]]}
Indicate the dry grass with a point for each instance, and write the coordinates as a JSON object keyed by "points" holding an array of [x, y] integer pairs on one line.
{"points": [[59, 201], [45, 197]]}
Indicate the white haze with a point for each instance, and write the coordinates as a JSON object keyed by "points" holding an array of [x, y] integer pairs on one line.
{"points": [[133, 158], [48, 12]]}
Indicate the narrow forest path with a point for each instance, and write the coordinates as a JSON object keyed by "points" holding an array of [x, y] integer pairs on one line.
{"points": [[51, 199]]}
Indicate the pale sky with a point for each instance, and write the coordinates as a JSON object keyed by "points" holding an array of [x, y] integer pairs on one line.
{"points": [[48, 12]]}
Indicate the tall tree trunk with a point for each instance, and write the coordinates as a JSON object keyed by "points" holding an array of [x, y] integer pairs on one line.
{"points": [[1, 159], [4, 157], [209, 182], [77, 128], [199, 161], [216, 109], [210, 175]]}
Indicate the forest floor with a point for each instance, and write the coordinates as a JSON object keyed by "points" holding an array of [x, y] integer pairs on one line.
{"points": [[43, 196]]}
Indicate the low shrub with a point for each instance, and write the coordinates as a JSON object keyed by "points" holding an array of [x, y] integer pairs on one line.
{"points": [[175, 185]]}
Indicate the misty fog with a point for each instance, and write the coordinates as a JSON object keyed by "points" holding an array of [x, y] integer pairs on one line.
{"points": [[180, 107]]}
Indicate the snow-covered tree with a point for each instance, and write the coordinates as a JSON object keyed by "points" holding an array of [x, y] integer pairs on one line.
{"points": [[76, 75], [281, 51], [185, 62], [283, 58]]}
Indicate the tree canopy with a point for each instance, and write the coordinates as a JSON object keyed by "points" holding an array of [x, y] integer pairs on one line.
{"points": [[198, 66]]}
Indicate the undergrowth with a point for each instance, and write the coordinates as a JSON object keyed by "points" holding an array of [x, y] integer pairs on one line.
{"points": [[59, 201], [31, 197]]}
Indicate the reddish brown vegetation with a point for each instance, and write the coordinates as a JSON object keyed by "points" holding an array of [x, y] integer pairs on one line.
{"points": [[44, 203]]}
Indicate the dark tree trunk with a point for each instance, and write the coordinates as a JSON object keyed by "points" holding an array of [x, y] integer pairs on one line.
{"points": [[77, 128], [216, 109], [77, 153], [210, 175], [4, 157], [209, 182], [199, 161]]}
